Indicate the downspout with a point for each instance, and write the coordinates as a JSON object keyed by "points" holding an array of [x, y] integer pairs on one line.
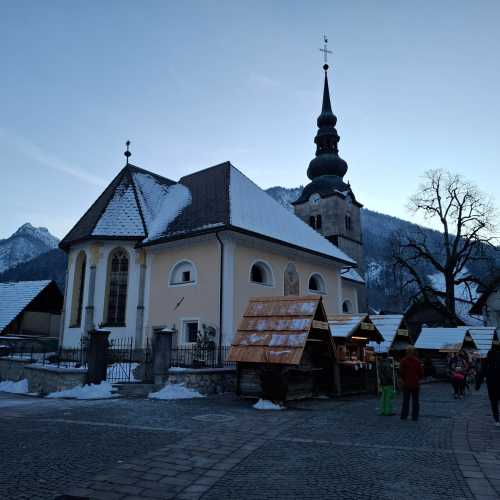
{"points": [[221, 295]]}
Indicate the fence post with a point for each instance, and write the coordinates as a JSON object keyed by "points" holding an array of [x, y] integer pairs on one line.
{"points": [[97, 356], [162, 353]]}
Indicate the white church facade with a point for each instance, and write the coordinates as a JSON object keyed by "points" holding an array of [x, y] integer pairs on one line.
{"points": [[151, 253]]}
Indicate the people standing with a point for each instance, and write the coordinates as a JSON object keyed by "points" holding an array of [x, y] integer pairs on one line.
{"points": [[386, 380], [491, 371], [411, 372], [460, 368]]}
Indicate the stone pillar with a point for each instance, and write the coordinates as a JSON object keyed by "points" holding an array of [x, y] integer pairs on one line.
{"points": [[139, 324], [97, 356], [65, 304], [162, 352], [89, 309]]}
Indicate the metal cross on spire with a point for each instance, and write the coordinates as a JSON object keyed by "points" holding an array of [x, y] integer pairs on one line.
{"points": [[127, 153], [325, 51]]}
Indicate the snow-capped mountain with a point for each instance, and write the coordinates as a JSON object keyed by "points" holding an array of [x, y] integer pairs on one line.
{"points": [[25, 244]]}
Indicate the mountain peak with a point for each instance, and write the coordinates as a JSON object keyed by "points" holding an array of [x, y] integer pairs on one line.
{"points": [[25, 244]]}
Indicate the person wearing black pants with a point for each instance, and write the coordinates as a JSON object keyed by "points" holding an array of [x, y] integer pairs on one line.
{"points": [[491, 371], [411, 372], [414, 395]]}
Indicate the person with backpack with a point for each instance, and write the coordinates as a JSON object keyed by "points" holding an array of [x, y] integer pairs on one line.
{"points": [[386, 381], [491, 372]]}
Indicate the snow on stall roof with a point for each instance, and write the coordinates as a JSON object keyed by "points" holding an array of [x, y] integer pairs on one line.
{"points": [[121, 217], [441, 338], [483, 338], [14, 297], [352, 275], [254, 210], [387, 325], [344, 325]]}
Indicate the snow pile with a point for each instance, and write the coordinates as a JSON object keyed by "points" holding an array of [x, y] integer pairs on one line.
{"points": [[92, 391], [175, 391], [264, 404], [20, 387]]}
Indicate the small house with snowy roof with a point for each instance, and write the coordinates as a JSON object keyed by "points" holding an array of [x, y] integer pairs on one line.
{"points": [[30, 308]]}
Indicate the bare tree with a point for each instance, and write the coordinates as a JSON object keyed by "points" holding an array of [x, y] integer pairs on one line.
{"points": [[467, 219]]}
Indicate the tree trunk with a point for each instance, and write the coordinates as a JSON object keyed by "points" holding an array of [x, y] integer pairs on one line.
{"points": [[450, 295]]}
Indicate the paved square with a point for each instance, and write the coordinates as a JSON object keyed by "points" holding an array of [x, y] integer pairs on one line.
{"points": [[221, 448]]}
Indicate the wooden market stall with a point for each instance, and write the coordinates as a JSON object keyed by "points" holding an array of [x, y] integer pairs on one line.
{"points": [[283, 345], [438, 343], [395, 332], [356, 364]]}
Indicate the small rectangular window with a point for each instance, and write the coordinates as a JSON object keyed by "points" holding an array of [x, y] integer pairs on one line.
{"points": [[312, 222], [186, 276], [191, 331]]}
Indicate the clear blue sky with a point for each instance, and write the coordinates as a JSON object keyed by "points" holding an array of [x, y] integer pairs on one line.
{"points": [[415, 86]]}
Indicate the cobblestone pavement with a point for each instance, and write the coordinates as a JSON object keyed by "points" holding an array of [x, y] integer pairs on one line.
{"points": [[220, 448]]}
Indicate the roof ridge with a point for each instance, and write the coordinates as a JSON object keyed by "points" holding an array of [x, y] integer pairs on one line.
{"points": [[136, 197]]}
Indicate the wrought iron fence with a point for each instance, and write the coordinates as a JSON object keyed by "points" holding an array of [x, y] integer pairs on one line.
{"points": [[200, 356], [128, 364], [45, 354]]}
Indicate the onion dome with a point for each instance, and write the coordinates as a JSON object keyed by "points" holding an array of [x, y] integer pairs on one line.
{"points": [[327, 161]]}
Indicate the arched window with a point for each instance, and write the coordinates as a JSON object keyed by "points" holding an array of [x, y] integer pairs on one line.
{"points": [[261, 273], [117, 287], [347, 306], [348, 224], [183, 273], [78, 290], [317, 283]]}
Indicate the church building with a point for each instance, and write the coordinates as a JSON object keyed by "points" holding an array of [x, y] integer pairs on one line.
{"points": [[152, 253]]}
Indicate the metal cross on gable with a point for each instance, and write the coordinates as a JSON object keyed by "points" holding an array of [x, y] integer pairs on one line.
{"points": [[325, 49]]}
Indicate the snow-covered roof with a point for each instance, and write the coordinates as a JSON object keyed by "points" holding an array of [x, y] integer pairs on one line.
{"points": [[149, 208], [388, 325], [463, 291], [483, 337], [343, 325], [252, 209], [351, 274], [441, 338], [14, 297]]}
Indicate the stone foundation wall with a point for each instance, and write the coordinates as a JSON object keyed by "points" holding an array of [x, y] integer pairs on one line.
{"points": [[41, 379], [206, 381]]}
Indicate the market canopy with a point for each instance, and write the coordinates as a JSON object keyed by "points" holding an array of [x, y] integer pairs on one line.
{"points": [[354, 327], [483, 337], [443, 339], [276, 329], [393, 329]]}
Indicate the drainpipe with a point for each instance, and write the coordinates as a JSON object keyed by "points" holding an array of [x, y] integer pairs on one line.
{"points": [[221, 295]]}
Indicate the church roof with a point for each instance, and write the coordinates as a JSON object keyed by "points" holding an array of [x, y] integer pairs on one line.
{"points": [[125, 209], [139, 205]]}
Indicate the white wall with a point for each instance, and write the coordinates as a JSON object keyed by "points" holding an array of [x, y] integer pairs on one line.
{"points": [[71, 336]]}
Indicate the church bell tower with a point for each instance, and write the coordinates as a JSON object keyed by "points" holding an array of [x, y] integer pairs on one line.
{"points": [[328, 203]]}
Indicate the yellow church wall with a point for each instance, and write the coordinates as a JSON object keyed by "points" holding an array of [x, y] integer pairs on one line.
{"points": [[349, 292], [170, 305], [245, 256]]}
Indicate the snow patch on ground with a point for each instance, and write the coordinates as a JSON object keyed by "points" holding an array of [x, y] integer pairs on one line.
{"points": [[92, 391], [264, 404], [20, 387], [175, 391]]}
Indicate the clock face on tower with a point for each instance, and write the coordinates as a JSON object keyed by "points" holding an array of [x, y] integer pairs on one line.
{"points": [[314, 199]]}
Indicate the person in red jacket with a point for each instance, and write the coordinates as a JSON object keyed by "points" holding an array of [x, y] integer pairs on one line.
{"points": [[411, 372]]}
